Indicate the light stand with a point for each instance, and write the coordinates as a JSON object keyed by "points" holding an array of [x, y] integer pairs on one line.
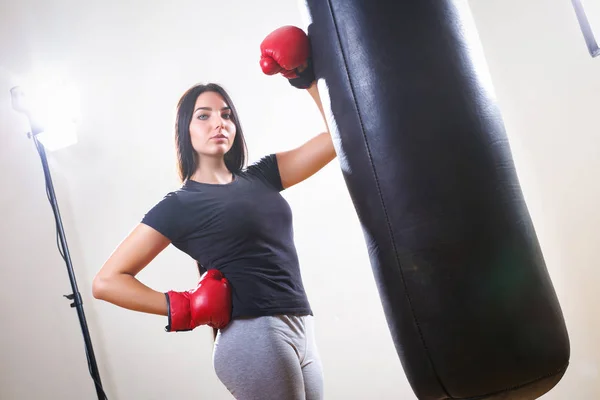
{"points": [[586, 28], [19, 105]]}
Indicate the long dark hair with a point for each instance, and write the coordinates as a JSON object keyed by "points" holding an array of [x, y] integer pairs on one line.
{"points": [[187, 158]]}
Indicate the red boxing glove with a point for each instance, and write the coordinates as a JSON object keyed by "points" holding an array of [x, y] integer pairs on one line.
{"points": [[286, 50], [208, 304]]}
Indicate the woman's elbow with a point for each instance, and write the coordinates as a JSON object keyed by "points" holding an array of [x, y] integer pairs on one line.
{"points": [[100, 287]]}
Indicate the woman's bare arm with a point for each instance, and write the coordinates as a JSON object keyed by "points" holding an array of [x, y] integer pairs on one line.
{"points": [[116, 282], [300, 163]]}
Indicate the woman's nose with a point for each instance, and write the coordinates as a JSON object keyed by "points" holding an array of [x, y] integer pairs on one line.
{"points": [[218, 122]]}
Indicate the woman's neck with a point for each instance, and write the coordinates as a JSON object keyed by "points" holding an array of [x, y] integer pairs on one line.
{"points": [[212, 172]]}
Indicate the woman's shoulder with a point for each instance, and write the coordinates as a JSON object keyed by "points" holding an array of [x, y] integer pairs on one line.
{"points": [[265, 160], [266, 170], [166, 215]]}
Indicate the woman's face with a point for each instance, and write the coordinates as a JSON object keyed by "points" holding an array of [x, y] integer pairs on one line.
{"points": [[212, 130]]}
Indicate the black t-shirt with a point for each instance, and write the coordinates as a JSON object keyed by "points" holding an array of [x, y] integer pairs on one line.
{"points": [[244, 229]]}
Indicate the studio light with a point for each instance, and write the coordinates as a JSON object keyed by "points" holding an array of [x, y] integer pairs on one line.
{"points": [[52, 111]]}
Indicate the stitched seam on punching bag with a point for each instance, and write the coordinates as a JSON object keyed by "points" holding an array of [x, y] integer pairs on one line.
{"points": [[387, 219]]}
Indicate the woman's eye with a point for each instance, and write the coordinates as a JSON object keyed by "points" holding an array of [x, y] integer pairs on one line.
{"points": [[227, 116], [202, 116]]}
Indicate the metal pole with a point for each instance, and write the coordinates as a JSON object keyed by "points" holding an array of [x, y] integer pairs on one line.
{"points": [[20, 105], [75, 295]]}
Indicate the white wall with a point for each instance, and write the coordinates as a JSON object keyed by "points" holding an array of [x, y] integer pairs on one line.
{"points": [[131, 61]]}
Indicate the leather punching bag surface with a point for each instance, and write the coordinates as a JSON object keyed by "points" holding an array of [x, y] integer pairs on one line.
{"points": [[423, 149]]}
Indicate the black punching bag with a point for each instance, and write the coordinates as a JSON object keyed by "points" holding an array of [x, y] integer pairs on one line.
{"points": [[425, 156]]}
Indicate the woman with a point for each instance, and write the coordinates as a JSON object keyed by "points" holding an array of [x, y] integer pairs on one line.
{"points": [[234, 220]]}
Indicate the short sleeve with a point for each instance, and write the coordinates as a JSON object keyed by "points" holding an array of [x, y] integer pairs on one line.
{"points": [[267, 170], [167, 217]]}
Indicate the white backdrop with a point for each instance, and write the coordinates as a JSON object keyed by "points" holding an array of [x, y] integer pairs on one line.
{"points": [[131, 61]]}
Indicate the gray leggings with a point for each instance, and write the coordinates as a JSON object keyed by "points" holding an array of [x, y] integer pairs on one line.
{"points": [[267, 358]]}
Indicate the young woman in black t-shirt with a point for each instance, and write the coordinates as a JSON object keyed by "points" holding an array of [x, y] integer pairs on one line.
{"points": [[235, 223]]}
